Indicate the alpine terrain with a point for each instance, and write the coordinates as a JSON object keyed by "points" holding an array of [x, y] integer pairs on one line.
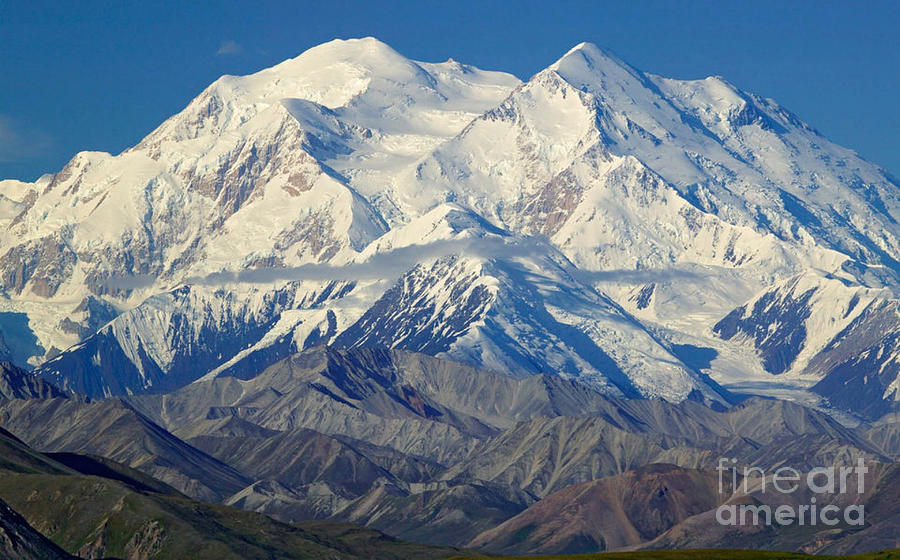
{"points": [[447, 305]]}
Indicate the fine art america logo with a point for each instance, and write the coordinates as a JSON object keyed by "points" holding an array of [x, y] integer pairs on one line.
{"points": [[812, 498]]}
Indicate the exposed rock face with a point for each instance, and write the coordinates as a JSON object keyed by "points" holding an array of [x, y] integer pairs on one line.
{"points": [[19, 540], [18, 384], [113, 429], [446, 514], [545, 455], [878, 533], [45, 263], [622, 510], [436, 451]]}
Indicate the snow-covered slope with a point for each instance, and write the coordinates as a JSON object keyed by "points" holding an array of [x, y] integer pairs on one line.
{"points": [[842, 341], [585, 222], [174, 337], [521, 308]]}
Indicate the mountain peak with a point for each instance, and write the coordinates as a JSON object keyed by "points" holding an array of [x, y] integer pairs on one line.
{"points": [[588, 57], [358, 57], [353, 48], [334, 72], [587, 48]]}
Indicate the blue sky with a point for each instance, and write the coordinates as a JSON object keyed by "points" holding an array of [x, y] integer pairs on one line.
{"points": [[100, 75]]}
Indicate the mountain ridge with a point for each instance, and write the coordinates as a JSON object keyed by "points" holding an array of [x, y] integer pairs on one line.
{"points": [[663, 205]]}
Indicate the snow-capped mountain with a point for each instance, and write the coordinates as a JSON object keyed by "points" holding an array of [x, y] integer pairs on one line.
{"points": [[588, 222]]}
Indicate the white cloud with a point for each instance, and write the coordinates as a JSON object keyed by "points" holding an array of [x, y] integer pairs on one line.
{"points": [[381, 266], [391, 264], [18, 143], [229, 48]]}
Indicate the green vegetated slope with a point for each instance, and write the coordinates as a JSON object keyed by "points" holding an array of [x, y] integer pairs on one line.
{"points": [[93, 507], [699, 555]]}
